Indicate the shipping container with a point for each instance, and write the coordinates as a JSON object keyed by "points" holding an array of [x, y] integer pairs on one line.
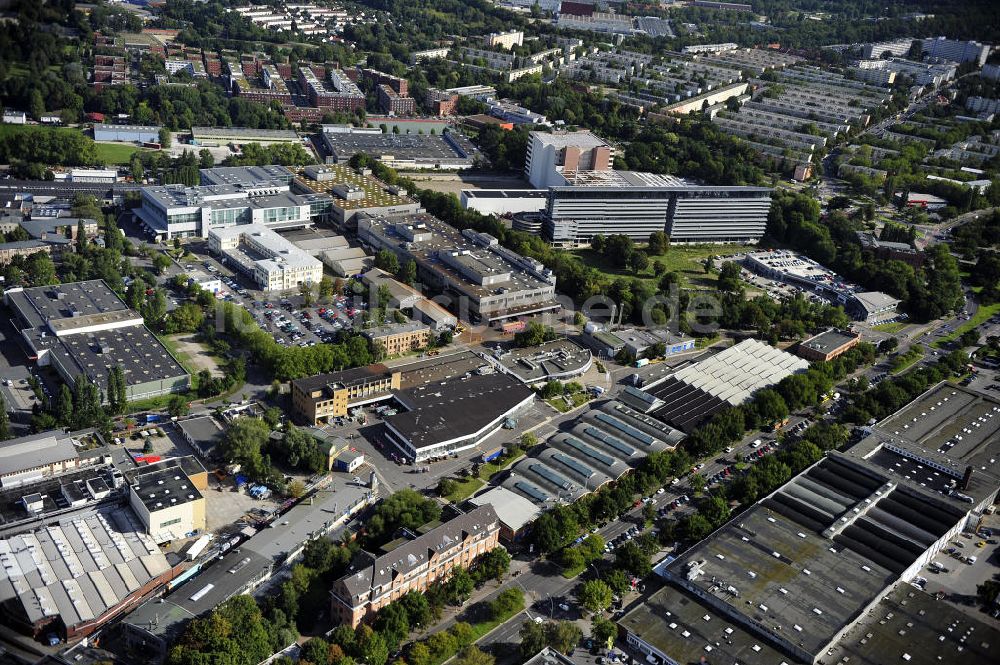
{"points": [[198, 547]]}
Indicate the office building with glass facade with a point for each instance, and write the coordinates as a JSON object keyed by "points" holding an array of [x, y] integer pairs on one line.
{"points": [[173, 211]]}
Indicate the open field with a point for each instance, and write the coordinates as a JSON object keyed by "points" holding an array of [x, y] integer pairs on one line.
{"points": [[891, 327], [115, 153], [686, 260]]}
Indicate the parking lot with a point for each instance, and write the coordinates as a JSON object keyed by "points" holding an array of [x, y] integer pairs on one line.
{"points": [[952, 573]]}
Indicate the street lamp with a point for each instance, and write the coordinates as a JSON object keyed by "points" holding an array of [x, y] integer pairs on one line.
{"points": [[549, 596]]}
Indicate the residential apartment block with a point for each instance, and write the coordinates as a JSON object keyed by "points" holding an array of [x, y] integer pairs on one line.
{"points": [[413, 566]]}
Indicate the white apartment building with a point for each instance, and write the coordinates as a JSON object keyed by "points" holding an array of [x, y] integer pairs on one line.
{"points": [[507, 40], [275, 264]]}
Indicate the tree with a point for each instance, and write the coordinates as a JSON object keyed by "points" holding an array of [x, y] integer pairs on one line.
{"points": [[325, 289], [64, 406], [494, 564], [177, 406], [507, 603], [460, 586], [630, 558], [659, 243], [407, 272], [373, 649], [4, 420], [165, 138], [603, 631], [393, 624], [709, 265], [419, 654], [307, 293], [547, 534], [387, 261], [316, 651], [160, 263], [571, 558], [594, 595], [446, 486], [418, 611], [471, 655], [563, 636], [618, 580], [533, 638]]}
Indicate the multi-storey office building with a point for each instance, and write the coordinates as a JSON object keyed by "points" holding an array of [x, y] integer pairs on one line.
{"points": [[637, 204], [317, 399], [399, 338], [549, 155], [272, 262], [413, 566], [486, 282], [173, 211]]}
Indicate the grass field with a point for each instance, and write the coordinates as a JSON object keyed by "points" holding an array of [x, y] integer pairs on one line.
{"points": [[903, 362], [891, 327], [686, 260], [115, 153], [109, 153], [983, 314], [466, 487]]}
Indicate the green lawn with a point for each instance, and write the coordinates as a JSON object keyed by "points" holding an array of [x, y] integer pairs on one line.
{"points": [[891, 327], [984, 313], [466, 487], [686, 260], [903, 362], [491, 469], [115, 153], [570, 573]]}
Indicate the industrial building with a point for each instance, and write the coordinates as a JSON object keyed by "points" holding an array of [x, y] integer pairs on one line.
{"points": [[515, 512], [127, 133], [695, 392], [448, 150], [557, 360], [827, 345], [353, 193], [27, 459], [247, 176], [168, 502], [317, 399], [217, 136], [598, 448], [802, 568], [204, 433], [484, 281], [808, 275], [84, 329], [413, 565], [176, 211], [153, 626], [636, 342], [273, 263], [454, 415], [399, 338], [71, 577]]}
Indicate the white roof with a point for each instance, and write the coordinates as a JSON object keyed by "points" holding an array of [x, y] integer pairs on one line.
{"points": [[35, 450], [737, 372], [513, 509]]}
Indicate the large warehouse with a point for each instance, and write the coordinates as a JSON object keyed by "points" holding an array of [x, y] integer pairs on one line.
{"points": [[454, 415], [127, 133], [449, 150], [86, 329], [71, 577], [695, 392]]}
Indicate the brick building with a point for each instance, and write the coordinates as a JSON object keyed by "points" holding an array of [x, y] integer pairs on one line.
{"points": [[413, 566]]}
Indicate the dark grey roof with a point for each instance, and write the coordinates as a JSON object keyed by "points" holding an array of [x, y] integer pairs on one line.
{"points": [[455, 408], [164, 487], [379, 571]]}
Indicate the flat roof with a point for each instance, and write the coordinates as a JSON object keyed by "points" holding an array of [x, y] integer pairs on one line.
{"points": [[552, 359], [513, 509], [204, 430], [41, 304], [910, 625], [347, 377], [455, 408], [162, 488], [390, 329], [245, 175], [135, 349], [685, 630], [244, 133], [583, 139], [374, 193], [419, 147], [829, 341], [277, 252]]}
